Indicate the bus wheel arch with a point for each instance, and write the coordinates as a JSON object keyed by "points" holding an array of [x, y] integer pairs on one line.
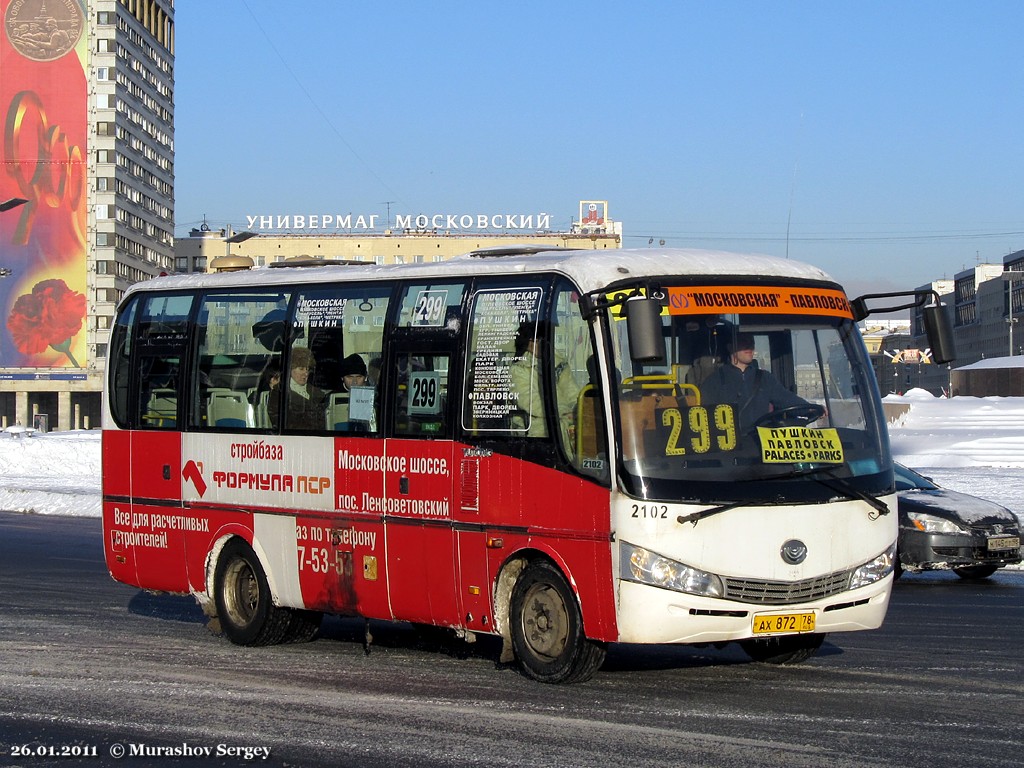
{"points": [[542, 623], [241, 593]]}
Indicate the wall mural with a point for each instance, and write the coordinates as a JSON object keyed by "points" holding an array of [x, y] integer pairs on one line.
{"points": [[44, 53]]}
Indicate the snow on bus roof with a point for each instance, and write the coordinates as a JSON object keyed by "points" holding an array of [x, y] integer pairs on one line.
{"points": [[591, 270]]}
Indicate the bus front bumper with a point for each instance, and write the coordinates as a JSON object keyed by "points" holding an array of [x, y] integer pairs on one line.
{"points": [[652, 615]]}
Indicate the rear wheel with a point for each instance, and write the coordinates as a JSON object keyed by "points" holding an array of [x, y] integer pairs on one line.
{"points": [[787, 649], [244, 606], [547, 628], [975, 571], [303, 625]]}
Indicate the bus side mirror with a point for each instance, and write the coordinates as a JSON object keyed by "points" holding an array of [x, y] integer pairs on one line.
{"points": [[643, 325], [939, 328]]}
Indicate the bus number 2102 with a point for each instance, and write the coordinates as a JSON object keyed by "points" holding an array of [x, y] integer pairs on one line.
{"points": [[650, 511]]}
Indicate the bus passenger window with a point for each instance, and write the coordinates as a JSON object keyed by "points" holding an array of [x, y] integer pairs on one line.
{"points": [[354, 407], [160, 344], [306, 404]]}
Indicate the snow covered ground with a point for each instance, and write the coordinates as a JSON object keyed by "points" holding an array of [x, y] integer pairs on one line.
{"points": [[969, 444]]}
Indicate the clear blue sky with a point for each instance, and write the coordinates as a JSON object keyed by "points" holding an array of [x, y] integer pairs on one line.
{"points": [[887, 138]]}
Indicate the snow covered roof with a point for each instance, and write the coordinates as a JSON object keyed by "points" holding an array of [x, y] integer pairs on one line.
{"points": [[589, 269], [1017, 361]]}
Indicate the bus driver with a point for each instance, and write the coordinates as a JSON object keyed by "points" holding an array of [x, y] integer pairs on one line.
{"points": [[752, 391]]}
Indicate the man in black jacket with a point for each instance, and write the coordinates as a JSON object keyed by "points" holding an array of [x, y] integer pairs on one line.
{"points": [[751, 391]]}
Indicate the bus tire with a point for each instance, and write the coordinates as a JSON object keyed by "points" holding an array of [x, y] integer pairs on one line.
{"points": [[547, 628], [787, 649], [244, 606], [303, 625]]}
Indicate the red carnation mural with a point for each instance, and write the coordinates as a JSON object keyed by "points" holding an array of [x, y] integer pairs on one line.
{"points": [[50, 316]]}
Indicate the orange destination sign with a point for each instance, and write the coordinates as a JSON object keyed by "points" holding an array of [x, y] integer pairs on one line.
{"points": [[757, 299]]}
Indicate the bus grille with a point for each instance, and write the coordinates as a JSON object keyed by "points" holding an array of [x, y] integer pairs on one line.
{"points": [[785, 592]]}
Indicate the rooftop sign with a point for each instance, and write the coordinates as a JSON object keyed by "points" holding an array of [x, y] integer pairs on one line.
{"points": [[449, 222]]}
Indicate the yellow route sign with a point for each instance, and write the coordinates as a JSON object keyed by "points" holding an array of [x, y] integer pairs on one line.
{"points": [[789, 445]]}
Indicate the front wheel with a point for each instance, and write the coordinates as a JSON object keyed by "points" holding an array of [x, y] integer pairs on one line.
{"points": [[975, 571], [547, 628], [244, 607], [787, 649]]}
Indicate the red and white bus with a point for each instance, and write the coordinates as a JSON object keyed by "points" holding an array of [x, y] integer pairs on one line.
{"points": [[515, 442]]}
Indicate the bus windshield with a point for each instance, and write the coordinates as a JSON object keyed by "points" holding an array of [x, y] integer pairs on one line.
{"points": [[750, 407]]}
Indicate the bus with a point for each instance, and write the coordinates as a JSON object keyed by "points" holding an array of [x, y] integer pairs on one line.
{"points": [[519, 442]]}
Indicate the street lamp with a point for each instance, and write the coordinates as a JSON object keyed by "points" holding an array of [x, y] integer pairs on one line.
{"points": [[1011, 277]]}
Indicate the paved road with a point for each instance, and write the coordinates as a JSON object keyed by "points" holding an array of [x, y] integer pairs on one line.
{"points": [[88, 663]]}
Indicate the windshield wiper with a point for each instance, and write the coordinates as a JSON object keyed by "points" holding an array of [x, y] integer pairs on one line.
{"points": [[850, 492], [837, 484], [694, 517]]}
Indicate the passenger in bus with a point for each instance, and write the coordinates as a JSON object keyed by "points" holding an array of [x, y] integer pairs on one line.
{"points": [[270, 379], [306, 404], [353, 374], [740, 382], [525, 374]]}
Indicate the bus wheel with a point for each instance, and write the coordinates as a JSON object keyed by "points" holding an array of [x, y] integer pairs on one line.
{"points": [[247, 614], [788, 649], [303, 626], [547, 628]]}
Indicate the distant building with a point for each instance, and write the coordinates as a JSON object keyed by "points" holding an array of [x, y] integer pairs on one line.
{"points": [[987, 307], [88, 150], [363, 238]]}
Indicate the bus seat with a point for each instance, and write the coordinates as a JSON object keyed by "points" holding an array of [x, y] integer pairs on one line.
{"points": [[638, 418], [261, 412], [700, 370], [228, 408], [162, 408]]}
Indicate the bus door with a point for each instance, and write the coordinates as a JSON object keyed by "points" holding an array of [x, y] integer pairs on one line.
{"points": [[152, 381], [418, 470]]}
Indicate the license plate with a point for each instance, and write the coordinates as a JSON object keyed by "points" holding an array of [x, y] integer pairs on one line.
{"points": [[1004, 543], [783, 623]]}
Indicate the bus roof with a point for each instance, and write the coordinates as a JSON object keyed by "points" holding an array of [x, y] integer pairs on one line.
{"points": [[590, 270]]}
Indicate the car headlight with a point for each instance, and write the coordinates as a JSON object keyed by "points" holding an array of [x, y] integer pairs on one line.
{"points": [[933, 524], [875, 570], [646, 567]]}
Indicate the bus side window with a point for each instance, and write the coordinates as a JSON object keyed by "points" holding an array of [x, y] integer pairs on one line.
{"points": [[159, 350], [240, 337]]}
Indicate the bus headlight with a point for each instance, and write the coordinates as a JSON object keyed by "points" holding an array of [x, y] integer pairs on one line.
{"points": [[875, 570], [646, 567]]}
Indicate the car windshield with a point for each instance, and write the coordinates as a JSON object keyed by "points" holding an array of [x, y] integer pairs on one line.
{"points": [[909, 480], [750, 406]]}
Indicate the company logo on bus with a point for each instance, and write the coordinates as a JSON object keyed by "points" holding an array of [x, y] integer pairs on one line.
{"points": [[794, 552]]}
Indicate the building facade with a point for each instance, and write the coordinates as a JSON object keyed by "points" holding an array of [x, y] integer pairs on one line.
{"points": [[87, 95], [986, 304]]}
